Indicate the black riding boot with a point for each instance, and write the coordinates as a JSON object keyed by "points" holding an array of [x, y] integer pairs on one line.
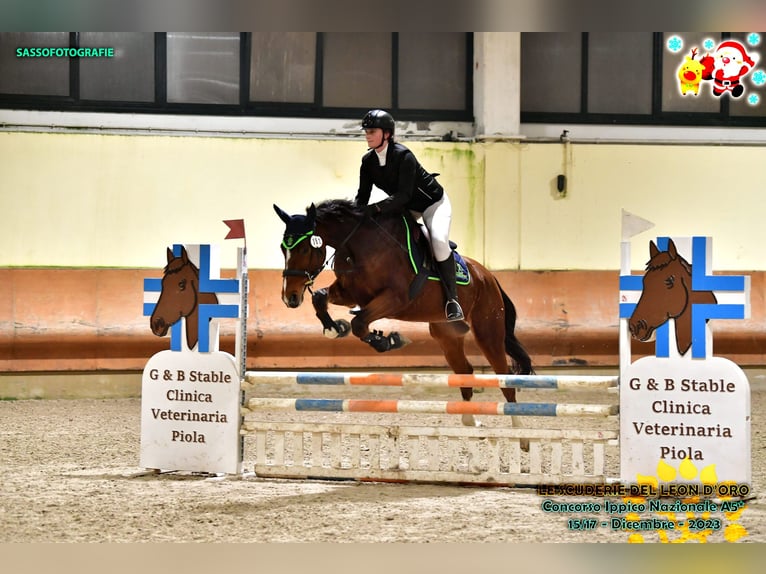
{"points": [[452, 309]]}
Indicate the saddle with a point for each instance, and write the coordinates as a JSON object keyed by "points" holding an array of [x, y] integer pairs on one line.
{"points": [[422, 259]]}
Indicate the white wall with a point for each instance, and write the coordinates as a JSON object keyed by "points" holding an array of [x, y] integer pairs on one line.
{"points": [[84, 200]]}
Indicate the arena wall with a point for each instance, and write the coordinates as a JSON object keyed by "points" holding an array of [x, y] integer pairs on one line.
{"points": [[84, 217]]}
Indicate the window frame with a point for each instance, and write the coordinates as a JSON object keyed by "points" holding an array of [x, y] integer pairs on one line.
{"points": [[657, 117], [246, 108]]}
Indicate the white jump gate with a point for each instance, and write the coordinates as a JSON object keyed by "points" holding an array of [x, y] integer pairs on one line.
{"points": [[463, 455], [430, 454]]}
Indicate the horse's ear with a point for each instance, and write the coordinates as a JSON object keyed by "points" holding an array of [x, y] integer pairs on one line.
{"points": [[184, 255], [282, 215], [311, 213], [653, 250], [170, 255], [672, 249]]}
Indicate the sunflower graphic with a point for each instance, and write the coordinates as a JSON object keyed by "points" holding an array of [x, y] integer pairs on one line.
{"points": [[688, 526]]}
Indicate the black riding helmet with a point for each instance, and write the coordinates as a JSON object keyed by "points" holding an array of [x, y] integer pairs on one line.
{"points": [[378, 119]]}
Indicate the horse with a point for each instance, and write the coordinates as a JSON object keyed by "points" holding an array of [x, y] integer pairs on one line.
{"points": [[179, 298], [667, 294], [373, 271]]}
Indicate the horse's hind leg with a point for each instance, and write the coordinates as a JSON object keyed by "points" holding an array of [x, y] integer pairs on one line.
{"points": [[451, 340], [489, 337]]}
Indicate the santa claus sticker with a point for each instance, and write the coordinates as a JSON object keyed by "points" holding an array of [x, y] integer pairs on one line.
{"points": [[727, 66], [724, 66]]}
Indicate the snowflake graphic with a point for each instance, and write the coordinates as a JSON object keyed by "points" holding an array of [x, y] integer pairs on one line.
{"points": [[708, 44], [753, 38], [753, 99], [675, 44], [759, 77]]}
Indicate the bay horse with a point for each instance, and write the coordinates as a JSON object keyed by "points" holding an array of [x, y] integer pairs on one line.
{"points": [[180, 298], [373, 270], [667, 294]]}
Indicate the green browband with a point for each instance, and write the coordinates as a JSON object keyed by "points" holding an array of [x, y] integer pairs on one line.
{"points": [[290, 241]]}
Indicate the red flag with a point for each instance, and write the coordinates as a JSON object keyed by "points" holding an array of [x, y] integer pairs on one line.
{"points": [[236, 228]]}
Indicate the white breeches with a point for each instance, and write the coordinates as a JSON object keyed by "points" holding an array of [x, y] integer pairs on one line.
{"points": [[438, 219]]}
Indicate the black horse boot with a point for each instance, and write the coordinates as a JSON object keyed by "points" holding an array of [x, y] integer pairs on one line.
{"points": [[452, 309]]}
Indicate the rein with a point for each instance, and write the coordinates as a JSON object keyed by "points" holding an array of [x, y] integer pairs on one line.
{"points": [[390, 236]]}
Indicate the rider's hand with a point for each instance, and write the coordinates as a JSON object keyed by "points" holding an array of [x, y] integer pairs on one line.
{"points": [[371, 210]]}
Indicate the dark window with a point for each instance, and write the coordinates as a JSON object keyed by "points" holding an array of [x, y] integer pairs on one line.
{"points": [[633, 78], [432, 71], [128, 76], [357, 70], [304, 74], [33, 76], [203, 68], [283, 67], [551, 72], [616, 84]]}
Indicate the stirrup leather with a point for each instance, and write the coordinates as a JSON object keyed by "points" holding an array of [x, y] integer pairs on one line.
{"points": [[453, 311]]}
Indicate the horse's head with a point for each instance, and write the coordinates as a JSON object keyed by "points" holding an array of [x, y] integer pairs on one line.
{"points": [[665, 293], [178, 297], [304, 254]]}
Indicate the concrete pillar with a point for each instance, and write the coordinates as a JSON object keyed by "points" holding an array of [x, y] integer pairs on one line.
{"points": [[496, 84]]}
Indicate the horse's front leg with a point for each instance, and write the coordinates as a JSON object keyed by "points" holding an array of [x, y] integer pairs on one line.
{"points": [[380, 307], [332, 329]]}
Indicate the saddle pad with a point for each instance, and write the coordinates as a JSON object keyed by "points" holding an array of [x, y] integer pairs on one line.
{"points": [[462, 275]]}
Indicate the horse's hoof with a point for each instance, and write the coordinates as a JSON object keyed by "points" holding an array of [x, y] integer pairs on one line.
{"points": [[340, 330], [524, 442], [343, 326], [470, 421], [331, 333], [397, 340]]}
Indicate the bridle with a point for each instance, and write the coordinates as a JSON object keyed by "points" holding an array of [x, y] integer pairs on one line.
{"points": [[311, 274], [289, 243]]}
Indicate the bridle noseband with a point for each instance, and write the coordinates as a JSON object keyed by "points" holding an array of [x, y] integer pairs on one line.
{"points": [[309, 275]]}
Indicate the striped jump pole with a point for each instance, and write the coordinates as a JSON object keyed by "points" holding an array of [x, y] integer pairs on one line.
{"points": [[561, 382], [432, 407]]}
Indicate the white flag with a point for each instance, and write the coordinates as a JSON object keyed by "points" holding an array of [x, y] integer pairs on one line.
{"points": [[633, 225]]}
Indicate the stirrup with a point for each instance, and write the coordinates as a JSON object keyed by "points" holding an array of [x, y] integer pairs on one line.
{"points": [[453, 311]]}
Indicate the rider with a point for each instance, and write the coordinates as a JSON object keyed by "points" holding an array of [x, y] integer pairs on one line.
{"points": [[395, 169]]}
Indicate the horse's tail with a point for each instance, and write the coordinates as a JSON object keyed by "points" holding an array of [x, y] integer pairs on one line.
{"points": [[512, 345]]}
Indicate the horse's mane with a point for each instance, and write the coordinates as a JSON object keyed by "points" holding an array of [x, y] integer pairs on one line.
{"points": [[345, 209], [339, 209], [663, 259]]}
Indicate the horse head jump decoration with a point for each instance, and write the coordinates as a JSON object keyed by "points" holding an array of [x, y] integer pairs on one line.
{"points": [[667, 294], [180, 298]]}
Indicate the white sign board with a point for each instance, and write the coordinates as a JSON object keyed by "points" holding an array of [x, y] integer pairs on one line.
{"points": [[672, 410], [190, 412]]}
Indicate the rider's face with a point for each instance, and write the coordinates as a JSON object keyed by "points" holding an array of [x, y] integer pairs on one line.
{"points": [[374, 136]]}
